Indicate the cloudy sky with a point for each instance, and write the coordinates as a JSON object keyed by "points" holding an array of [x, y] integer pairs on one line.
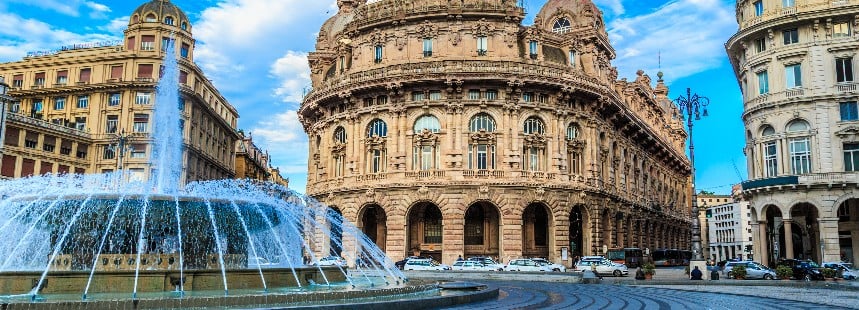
{"points": [[255, 53]]}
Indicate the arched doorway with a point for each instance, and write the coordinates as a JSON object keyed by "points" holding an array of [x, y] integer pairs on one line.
{"points": [[481, 235], [535, 231], [848, 230], [578, 230], [775, 236], [335, 226], [425, 231], [805, 232], [374, 225]]}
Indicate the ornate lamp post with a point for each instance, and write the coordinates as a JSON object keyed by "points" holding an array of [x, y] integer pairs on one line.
{"points": [[120, 146], [692, 105]]}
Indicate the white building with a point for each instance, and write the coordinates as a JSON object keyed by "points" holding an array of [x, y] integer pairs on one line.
{"points": [[730, 231]]}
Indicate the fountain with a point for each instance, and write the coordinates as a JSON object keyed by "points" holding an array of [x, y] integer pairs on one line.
{"points": [[87, 238]]}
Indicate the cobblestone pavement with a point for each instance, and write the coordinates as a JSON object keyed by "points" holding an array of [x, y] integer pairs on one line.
{"points": [[543, 295]]}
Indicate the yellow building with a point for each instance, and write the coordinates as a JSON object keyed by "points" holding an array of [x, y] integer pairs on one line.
{"points": [[254, 163], [448, 128], [74, 103]]}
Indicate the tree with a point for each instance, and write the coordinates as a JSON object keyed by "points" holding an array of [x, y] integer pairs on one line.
{"points": [[703, 192]]}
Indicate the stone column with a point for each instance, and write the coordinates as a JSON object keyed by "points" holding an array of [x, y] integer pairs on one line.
{"points": [[788, 237], [762, 246]]}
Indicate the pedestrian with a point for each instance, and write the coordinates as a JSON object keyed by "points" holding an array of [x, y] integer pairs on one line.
{"points": [[697, 274], [639, 274], [594, 270], [459, 259]]}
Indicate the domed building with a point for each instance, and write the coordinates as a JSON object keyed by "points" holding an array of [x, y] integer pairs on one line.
{"points": [[794, 63], [448, 128], [74, 103]]}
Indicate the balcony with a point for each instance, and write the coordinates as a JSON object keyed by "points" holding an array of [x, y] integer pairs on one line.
{"points": [[426, 174], [483, 174], [18, 118], [830, 178], [845, 88], [372, 177]]}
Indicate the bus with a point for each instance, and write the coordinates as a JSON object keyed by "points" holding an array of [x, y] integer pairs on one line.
{"points": [[631, 257], [671, 257]]}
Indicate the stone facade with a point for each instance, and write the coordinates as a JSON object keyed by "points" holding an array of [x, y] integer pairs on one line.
{"points": [[447, 129], [794, 61], [255, 164], [72, 105]]}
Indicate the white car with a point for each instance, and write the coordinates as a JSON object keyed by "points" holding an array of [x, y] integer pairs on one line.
{"points": [[471, 265], [525, 264], [603, 266], [491, 264], [553, 267], [424, 264], [331, 261], [846, 269]]}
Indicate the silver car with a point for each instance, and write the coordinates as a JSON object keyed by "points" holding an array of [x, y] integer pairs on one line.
{"points": [[846, 269], [754, 270]]}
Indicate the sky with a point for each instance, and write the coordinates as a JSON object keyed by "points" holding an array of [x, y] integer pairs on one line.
{"points": [[254, 51]]}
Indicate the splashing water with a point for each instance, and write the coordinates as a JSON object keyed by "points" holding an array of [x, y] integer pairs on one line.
{"points": [[167, 155]]}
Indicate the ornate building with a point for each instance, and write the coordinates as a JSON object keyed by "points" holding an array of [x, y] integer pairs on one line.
{"points": [[447, 128], [794, 62], [254, 163], [75, 103]]}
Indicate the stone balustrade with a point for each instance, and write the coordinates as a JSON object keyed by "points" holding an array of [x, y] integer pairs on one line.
{"points": [[800, 7]]}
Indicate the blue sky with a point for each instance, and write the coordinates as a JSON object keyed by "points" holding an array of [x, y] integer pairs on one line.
{"points": [[254, 51]]}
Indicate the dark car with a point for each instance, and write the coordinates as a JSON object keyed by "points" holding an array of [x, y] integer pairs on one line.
{"points": [[803, 269]]}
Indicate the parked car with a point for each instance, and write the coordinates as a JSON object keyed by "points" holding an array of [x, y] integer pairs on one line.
{"points": [[552, 266], [525, 264], [424, 264], [471, 265], [489, 262], [331, 261], [603, 266], [803, 269], [846, 269], [754, 270], [402, 264]]}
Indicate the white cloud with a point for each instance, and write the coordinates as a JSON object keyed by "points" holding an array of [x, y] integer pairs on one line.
{"points": [[676, 31], [284, 135], [615, 5], [293, 73], [99, 11], [20, 35], [69, 7], [116, 25]]}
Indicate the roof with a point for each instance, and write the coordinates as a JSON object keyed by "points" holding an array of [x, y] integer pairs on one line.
{"points": [[161, 9]]}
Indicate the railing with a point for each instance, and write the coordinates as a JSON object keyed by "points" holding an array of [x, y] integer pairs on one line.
{"points": [[372, 177], [846, 88], [837, 3], [15, 117], [800, 7], [426, 174], [794, 92], [830, 178], [788, 11], [483, 173]]}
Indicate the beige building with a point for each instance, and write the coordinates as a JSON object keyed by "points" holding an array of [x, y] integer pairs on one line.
{"points": [[254, 163], [705, 201], [794, 61], [448, 128], [74, 103]]}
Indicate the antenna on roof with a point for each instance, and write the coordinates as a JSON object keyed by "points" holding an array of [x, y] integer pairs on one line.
{"points": [[660, 60]]}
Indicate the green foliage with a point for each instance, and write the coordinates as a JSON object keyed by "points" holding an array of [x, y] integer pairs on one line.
{"points": [[686, 270], [739, 271], [649, 268], [828, 273], [703, 192], [784, 272]]}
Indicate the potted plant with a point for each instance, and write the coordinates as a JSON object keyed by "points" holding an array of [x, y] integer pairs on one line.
{"points": [[739, 272], [784, 272], [829, 274], [649, 270]]}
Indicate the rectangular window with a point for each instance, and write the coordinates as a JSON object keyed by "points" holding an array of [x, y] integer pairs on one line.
{"points": [[80, 123], [491, 95], [63, 77], [427, 47], [532, 49], [435, 95], [382, 100], [800, 156], [40, 79], [112, 123], [184, 51], [15, 107], [376, 161], [144, 71], [85, 75], [793, 76], [482, 45], [841, 30], [108, 153], [851, 157], [572, 58], [165, 42], [844, 70], [528, 97], [763, 83], [143, 98], [426, 152], [418, 96], [59, 103], [791, 36], [849, 111], [115, 99], [482, 156], [83, 102], [759, 8], [378, 54], [18, 81], [37, 109], [788, 3], [473, 94], [116, 72], [147, 43], [141, 122], [138, 151], [760, 45], [771, 159]]}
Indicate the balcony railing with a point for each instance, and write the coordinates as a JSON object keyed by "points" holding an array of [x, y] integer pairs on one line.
{"points": [[372, 177], [800, 7], [426, 174], [830, 178], [483, 173], [15, 117], [846, 88]]}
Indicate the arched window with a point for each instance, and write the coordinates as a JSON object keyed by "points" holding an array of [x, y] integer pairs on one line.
{"points": [[572, 132], [481, 150], [480, 122], [428, 122], [800, 147], [168, 20], [534, 125], [184, 26], [425, 153], [768, 131], [135, 19], [797, 125], [340, 135], [151, 18], [377, 128], [562, 25]]}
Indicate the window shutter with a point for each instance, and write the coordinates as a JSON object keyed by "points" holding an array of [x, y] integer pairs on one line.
{"points": [[85, 74], [116, 72], [63, 73], [40, 75], [130, 45], [144, 70]]}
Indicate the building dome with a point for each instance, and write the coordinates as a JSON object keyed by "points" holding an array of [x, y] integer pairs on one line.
{"points": [[162, 11], [563, 16]]}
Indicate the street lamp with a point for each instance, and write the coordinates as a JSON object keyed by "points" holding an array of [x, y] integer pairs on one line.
{"points": [[120, 147], [690, 106]]}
